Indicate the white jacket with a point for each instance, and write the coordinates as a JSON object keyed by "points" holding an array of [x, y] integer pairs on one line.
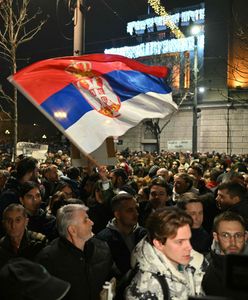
{"points": [[151, 261]]}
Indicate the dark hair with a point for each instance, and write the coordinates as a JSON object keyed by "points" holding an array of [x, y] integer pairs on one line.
{"points": [[197, 168], [120, 172], [234, 189], [62, 184], [187, 198], [159, 180], [73, 173], [24, 166], [164, 223], [117, 201], [28, 186], [187, 178], [228, 216]]}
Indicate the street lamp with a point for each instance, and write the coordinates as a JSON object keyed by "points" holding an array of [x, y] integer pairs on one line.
{"points": [[195, 31]]}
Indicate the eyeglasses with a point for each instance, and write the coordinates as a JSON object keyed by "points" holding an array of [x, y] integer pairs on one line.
{"points": [[226, 236]]}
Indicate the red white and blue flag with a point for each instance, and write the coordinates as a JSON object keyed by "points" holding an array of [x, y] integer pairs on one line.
{"points": [[92, 97]]}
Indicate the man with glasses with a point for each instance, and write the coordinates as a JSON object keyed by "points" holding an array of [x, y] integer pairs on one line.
{"points": [[229, 238]]}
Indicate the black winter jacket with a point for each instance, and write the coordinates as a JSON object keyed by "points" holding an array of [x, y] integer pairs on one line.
{"points": [[85, 270]]}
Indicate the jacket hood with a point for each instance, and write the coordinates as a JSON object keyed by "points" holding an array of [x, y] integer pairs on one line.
{"points": [[152, 260]]}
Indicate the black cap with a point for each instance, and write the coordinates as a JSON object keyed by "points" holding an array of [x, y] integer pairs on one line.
{"points": [[22, 279]]}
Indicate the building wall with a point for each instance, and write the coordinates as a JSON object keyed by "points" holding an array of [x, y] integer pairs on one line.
{"points": [[219, 129]]}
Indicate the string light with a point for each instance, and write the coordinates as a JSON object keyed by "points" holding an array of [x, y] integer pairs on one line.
{"points": [[158, 47], [160, 10], [197, 16]]}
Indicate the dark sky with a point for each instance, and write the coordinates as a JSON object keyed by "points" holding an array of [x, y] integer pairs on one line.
{"points": [[106, 20]]}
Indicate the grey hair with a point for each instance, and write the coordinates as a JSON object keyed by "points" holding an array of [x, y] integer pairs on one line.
{"points": [[65, 217], [14, 207]]}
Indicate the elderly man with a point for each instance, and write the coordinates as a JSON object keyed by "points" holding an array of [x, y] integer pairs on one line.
{"points": [[166, 258], [75, 256], [229, 238]]}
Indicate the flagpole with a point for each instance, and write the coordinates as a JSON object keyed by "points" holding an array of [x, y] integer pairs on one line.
{"points": [[79, 29], [79, 49]]}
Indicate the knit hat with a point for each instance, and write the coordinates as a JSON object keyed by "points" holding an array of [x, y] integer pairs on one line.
{"points": [[22, 279]]}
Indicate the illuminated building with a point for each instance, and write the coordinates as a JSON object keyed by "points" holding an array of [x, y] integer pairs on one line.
{"points": [[222, 71]]}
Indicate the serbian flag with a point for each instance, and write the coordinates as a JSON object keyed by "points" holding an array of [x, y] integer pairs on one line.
{"points": [[92, 97]]}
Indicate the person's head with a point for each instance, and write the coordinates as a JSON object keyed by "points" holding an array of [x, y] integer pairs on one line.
{"points": [[118, 177], [175, 164], [124, 207], [196, 171], [192, 204], [51, 173], [66, 188], [30, 196], [73, 173], [27, 169], [169, 232], [56, 201], [22, 279], [182, 169], [159, 192], [74, 224], [182, 183], [229, 232], [230, 193], [163, 172], [15, 221]]}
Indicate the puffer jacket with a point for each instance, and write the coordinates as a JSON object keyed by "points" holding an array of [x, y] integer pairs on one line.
{"points": [[151, 261]]}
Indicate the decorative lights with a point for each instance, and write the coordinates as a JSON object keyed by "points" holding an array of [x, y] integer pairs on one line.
{"points": [[160, 10], [158, 47], [196, 16]]}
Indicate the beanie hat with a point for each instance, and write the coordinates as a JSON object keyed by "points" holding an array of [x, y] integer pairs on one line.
{"points": [[21, 278]]}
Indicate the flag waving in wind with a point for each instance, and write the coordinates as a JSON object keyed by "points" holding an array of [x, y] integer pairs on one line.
{"points": [[92, 97]]}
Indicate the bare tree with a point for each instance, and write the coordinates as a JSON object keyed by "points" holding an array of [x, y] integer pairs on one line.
{"points": [[18, 27], [177, 64]]}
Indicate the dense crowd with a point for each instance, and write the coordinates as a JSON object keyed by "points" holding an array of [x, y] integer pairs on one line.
{"points": [[88, 224]]}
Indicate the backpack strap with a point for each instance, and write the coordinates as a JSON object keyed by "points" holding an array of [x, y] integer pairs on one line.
{"points": [[164, 285]]}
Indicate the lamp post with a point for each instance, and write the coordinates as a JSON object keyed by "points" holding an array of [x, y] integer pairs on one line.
{"points": [[195, 31]]}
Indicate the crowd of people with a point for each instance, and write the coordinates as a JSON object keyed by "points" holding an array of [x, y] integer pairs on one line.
{"points": [[161, 224]]}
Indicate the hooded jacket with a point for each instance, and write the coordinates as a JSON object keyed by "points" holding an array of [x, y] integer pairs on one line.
{"points": [[151, 261]]}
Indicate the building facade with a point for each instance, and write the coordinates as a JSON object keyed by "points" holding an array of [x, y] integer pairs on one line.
{"points": [[222, 109]]}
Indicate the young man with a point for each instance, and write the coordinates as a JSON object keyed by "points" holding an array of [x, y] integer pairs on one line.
{"points": [[26, 170], [193, 205], [232, 196], [159, 196], [123, 231], [75, 256], [167, 252], [229, 238]]}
